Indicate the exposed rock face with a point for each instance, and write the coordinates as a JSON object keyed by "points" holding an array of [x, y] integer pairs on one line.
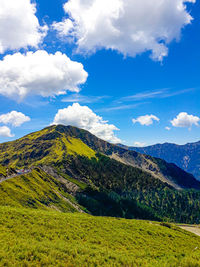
{"points": [[70, 187]]}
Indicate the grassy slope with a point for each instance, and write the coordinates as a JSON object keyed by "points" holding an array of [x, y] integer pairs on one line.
{"points": [[40, 238], [43, 147], [34, 190], [3, 171]]}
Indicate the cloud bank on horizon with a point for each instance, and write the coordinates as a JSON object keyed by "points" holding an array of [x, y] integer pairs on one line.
{"points": [[139, 144], [83, 117], [120, 25]]}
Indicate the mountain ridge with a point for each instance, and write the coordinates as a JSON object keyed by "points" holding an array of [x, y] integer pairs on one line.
{"points": [[82, 142], [185, 156], [103, 178]]}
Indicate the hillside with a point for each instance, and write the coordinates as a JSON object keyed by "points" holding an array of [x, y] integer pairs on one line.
{"points": [[6, 171], [186, 156], [43, 238], [55, 144], [3, 171], [37, 190], [72, 170]]}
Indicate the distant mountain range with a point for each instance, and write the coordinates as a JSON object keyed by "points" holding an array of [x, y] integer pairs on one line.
{"points": [[69, 169], [186, 156]]}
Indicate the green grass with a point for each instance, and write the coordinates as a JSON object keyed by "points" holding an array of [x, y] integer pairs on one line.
{"points": [[63, 147], [35, 190], [3, 171], [43, 147], [43, 238]]}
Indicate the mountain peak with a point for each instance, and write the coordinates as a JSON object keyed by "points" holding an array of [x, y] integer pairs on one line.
{"points": [[70, 130], [56, 144]]}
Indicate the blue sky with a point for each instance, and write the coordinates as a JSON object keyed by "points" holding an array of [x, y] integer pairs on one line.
{"points": [[123, 84]]}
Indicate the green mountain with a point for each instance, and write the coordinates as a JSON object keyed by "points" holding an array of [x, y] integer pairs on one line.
{"points": [[56, 144], [52, 181], [186, 156], [69, 169]]}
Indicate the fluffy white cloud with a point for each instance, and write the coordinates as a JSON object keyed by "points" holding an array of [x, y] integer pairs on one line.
{"points": [[139, 144], [128, 26], [39, 73], [83, 117], [19, 27], [183, 119], [146, 120], [14, 118], [5, 132]]}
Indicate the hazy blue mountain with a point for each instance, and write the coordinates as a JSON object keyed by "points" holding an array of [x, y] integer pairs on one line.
{"points": [[186, 156]]}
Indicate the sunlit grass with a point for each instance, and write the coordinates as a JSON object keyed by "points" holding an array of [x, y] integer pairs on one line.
{"points": [[3, 171], [35, 190], [42, 238]]}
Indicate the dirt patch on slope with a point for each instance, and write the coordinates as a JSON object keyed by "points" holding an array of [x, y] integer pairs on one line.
{"points": [[195, 229]]}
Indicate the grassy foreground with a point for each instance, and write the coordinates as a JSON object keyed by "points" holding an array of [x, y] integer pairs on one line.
{"points": [[45, 238]]}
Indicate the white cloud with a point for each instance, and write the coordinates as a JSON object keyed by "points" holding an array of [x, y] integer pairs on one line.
{"points": [[139, 144], [167, 128], [146, 120], [5, 132], [14, 118], [83, 117], [129, 26], [39, 73], [183, 119], [19, 27]]}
